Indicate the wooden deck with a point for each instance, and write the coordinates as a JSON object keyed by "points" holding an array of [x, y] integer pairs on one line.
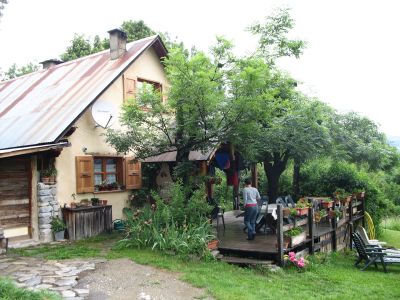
{"points": [[233, 238], [327, 236]]}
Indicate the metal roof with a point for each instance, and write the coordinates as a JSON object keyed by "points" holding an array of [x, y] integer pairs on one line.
{"points": [[39, 107], [32, 149]]}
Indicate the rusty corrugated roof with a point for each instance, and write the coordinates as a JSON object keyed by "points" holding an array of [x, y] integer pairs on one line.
{"points": [[37, 108]]}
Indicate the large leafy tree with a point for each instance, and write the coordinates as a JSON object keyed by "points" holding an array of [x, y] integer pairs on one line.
{"points": [[199, 112], [358, 140], [15, 71], [81, 45]]}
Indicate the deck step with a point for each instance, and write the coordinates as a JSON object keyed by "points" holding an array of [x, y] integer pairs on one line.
{"points": [[246, 261]]}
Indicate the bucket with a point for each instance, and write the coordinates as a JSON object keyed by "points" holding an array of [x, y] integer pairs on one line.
{"points": [[119, 225]]}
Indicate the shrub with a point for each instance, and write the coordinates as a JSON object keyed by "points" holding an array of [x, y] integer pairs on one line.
{"points": [[181, 226]]}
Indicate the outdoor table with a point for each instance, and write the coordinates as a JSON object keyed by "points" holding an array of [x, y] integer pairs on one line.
{"points": [[272, 208]]}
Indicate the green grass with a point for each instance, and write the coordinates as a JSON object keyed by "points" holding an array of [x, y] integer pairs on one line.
{"points": [[391, 223], [9, 291], [335, 278], [93, 247]]}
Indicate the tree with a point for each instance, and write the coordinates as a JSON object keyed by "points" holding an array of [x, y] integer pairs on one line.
{"points": [[83, 46], [80, 46], [14, 71], [2, 3], [197, 115], [358, 139], [273, 41], [136, 30]]}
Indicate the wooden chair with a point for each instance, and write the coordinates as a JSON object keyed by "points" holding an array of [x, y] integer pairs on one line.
{"points": [[373, 254]]}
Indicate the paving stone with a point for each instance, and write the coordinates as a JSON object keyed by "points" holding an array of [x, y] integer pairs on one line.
{"points": [[73, 298], [25, 278], [4, 265], [49, 280], [33, 281], [82, 292], [60, 288], [68, 293], [43, 286], [68, 282]]}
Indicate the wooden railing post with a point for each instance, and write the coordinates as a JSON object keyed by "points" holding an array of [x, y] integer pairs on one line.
{"points": [[279, 234], [333, 234], [311, 229], [351, 229]]}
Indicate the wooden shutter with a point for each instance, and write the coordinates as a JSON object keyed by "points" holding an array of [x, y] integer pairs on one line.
{"points": [[84, 174], [129, 87], [133, 174]]}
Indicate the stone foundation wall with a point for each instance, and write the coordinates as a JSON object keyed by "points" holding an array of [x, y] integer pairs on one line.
{"points": [[48, 207]]}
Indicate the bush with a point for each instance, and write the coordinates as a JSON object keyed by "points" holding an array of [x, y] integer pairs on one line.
{"points": [[180, 226]]}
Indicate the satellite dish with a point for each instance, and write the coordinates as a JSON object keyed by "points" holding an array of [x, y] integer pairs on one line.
{"points": [[104, 113]]}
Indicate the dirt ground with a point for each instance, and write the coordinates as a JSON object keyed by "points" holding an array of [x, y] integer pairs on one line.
{"points": [[123, 279]]}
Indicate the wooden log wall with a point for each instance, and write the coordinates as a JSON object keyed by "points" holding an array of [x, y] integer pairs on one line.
{"points": [[15, 192], [86, 222]]}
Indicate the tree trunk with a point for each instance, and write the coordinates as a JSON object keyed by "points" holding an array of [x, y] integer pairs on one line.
{"points": [[296, 178], [274, 167]]}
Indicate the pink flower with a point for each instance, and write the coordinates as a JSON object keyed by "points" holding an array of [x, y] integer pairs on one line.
{"points": [[292, 254], [300, 264], [293, 259], [301, 260]]}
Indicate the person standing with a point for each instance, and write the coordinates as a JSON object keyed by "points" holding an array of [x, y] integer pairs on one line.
{"points": [[250, 197]]}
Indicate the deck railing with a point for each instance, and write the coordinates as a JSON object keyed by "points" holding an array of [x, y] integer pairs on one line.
{"points": [[335, 236]]}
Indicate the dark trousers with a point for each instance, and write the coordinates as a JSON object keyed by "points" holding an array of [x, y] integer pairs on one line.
{"points": [[250, 217]]}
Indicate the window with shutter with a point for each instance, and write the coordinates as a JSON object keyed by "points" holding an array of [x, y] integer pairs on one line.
{"points": [[84, 174], [133, 174], [129, 87]]}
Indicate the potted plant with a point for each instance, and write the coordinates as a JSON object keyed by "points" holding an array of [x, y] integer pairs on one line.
{"points": [[58, 227], [319, 215], [335, 213], [295, 236], [302, 207], [325, 203], [48, 175], [213, 244]]}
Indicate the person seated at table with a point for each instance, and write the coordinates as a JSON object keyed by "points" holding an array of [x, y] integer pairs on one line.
{"points": [[250, 198]]}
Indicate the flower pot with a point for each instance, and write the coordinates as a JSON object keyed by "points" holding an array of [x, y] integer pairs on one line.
{"points": [[297, 239], [103, 202], [212, 245], [286, 212], [302, 211], [45, 179], [59, 235], [327, 204]]}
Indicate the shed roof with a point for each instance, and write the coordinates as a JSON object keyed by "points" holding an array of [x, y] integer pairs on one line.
{"points": [[39, 107], [171, 156]]}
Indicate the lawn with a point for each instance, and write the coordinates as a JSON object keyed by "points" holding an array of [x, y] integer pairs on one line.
{"points": [[9, 291], [330, 277]]}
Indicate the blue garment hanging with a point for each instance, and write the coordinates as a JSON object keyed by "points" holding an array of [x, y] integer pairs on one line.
{"points": [[222, 160]]}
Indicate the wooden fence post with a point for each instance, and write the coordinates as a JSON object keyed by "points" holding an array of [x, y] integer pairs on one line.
{"points": [[351, 229], [333, 234], [311, 229], [279, 234]]}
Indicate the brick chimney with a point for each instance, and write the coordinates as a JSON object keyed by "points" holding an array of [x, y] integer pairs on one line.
{"points": [[50, 62], [117, 43]]}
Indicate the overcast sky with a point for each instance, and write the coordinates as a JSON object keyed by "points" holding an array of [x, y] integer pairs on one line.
{"points": [[351, 61]]}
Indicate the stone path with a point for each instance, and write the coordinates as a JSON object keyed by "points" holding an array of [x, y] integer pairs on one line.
{"points": [[59, 276]]}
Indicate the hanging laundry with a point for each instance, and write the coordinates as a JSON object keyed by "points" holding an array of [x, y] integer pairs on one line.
{"points": [[222, 160], [233, 178]]}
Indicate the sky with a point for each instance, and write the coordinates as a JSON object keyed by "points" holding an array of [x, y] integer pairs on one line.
{"points": [[351, 61]]}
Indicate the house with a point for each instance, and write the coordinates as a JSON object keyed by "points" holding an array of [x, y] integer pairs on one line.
{"points": [[56, 117]]}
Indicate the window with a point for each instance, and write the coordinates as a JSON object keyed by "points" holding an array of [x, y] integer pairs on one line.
{"points": [[141, 83], [106, 173], [102, 173]]}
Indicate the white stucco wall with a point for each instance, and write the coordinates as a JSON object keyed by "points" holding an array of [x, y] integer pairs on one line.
{"points": [[87, 135]]}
